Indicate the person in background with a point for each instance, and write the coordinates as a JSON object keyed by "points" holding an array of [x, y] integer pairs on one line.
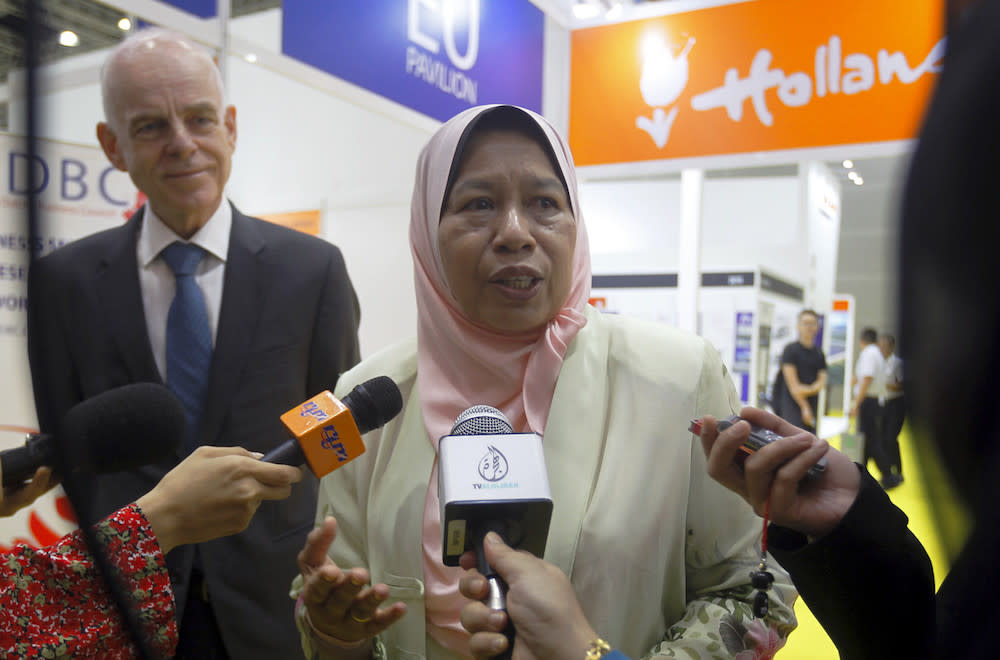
{"points": [[894, 408], [241, 318], [803, 372], [659, 555], [53, 600], [866, 407]]}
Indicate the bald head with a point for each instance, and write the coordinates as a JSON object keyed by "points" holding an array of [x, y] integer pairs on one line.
{"points": [[143, 47], [168, 126]]}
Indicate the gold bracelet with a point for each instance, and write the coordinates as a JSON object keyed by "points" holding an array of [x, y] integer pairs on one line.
{"points": [[597, 649]]}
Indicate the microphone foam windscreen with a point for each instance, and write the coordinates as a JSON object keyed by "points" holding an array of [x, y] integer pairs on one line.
{"points": [[374, 402], [123, 428], [481, 420]]}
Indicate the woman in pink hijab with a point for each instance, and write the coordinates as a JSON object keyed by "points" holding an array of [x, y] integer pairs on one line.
{"points": [[658, 554]]}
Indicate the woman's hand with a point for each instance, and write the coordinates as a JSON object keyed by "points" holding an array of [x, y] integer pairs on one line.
{"points": [[19, 496], [549, 623], [340, 604], [214, 492], [810, 506]]}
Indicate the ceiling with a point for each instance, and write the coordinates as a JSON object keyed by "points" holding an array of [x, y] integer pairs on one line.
{"points": [[95, 24]]}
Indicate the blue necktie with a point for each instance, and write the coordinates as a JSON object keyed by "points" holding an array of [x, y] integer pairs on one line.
{"points": [[189, 338]]}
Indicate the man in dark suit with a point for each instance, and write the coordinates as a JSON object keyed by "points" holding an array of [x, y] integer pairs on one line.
{"points": [[282, 320]]}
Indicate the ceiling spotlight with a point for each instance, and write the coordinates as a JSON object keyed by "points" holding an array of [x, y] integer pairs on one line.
{"points": [[68, 38], [858, 181], [852, 175], [125, 24], [848, 164], [584, 9], [250, 57]]}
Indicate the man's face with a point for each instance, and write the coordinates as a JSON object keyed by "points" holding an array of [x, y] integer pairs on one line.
{"points": [[885, 347], [170, 131], [808, 327]]}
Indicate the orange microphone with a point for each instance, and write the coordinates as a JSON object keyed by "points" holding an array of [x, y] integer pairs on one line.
{"points": [[326, 432]]}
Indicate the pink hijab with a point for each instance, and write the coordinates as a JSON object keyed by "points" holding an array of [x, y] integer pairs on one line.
{"points": [[460, 364]]}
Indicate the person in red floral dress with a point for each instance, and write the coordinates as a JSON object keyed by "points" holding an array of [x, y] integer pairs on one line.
{"points": [[53, 600]]}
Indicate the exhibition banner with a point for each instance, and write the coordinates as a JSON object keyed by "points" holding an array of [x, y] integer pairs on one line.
{"points": [[762, 75], [438, 57], [78, 193]]}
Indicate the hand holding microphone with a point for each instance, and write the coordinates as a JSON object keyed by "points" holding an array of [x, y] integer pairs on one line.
{"points": [[212, 493], [541, 603]]}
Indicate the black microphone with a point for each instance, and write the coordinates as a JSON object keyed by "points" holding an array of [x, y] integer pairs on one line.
{"points": [[119, 429], [326, 433], [492, 479]]}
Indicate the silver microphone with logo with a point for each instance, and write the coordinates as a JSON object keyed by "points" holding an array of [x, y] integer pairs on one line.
{"points": [[492, 479]]}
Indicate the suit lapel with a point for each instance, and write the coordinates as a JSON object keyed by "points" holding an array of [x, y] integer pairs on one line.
{"points": [[117, 283], [241, 297]]}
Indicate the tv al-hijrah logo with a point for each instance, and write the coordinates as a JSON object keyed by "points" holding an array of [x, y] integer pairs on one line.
{"points": [[493, 465]]}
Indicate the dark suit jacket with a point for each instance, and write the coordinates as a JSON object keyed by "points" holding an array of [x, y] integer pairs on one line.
{"points": [[287, 329]]}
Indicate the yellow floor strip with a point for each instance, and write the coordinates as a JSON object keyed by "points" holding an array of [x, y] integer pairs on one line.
{"points": [[809, 641]]}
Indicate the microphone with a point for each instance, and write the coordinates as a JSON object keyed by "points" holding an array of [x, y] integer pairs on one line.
{"points": [[492, 479], [118, 429], [326, 433]]}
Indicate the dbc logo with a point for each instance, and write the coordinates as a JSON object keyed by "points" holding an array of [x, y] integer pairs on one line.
{"points": [[331, 440], [493, 466], [72, 175]]}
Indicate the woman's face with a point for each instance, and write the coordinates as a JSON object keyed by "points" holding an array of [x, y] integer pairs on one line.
{"points": [[507, 234]]}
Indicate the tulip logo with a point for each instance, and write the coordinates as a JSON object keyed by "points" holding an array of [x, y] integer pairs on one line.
{"points": [[663, 79]]}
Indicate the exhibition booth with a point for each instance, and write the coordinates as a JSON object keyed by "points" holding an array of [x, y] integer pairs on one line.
{"points": [[702, 132]]}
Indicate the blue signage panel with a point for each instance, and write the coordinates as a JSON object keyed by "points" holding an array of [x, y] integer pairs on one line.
{"points": [[438, 57], [200, 8]]}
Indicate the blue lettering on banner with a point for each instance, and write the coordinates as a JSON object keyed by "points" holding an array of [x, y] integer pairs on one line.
{"points": [[74, 178], [72, 173], [13, 272], [331, 440], [14, 303], [438, 57]]}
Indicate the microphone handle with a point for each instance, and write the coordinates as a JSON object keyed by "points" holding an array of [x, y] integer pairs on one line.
{"points": [[496, 599], [287, 453], [19, 464]]}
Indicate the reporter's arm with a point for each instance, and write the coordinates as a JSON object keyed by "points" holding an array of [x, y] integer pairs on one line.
{"points": [[868, 581], [54, 600], [847, 548]]}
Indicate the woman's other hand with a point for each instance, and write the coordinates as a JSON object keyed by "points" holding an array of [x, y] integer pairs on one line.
{"points": [[340, 603]]}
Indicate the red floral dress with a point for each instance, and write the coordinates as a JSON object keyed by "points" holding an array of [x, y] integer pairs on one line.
{"points": [[53, 602]]}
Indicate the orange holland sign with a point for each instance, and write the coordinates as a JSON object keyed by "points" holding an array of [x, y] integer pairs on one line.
{"points": [[762, 75]]}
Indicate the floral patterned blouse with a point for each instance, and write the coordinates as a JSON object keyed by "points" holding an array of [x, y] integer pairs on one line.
{"points": [[53, 602]]}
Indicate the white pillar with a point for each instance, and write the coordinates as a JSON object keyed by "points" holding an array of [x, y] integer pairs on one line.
{"points": [[689, 249]]}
